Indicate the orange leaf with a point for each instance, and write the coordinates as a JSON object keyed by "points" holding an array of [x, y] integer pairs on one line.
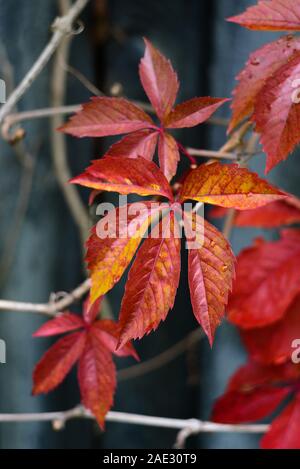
{"points": [[107, 116], [152, 282], [271, 15], [211, 269], [108, 258], [228, 186], [126, 176]]}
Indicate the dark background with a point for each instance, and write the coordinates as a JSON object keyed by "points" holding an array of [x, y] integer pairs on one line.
{"points": [[39, 243]]}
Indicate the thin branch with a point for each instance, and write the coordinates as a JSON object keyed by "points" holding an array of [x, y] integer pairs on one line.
{"points": [[50, 308], [187, 426], [62, 26], [212, 154], [58, 140], [161, 359]]}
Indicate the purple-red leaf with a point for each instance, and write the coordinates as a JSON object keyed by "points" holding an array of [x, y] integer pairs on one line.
{"points": [[159, 80], [277, 112], [107, 116], [168, 154], [259, 68], [271, 15], [193, 112], [140, 143]]}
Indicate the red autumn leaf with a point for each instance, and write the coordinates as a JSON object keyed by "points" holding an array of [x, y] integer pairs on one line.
{"points": [[152, 282], [267, 281], [273, 215], [193, 112], [121, 175], [112, 116], [248, 406], [277, 112], [57, 362], [97, 378], [271, 15], [273, 344], [141, 143], [91, 310], [159, 80], [254, 375], [284, 432], [107, 116], [108, 257], [109, 332], [93, 346], [258, 70], [211, 268], [228, 186], [65, 322], [168, 154], [254, 392]]}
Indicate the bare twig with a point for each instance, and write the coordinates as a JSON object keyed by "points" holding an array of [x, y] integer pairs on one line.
{"points": [[62, 26], [58, 141], [162, 359], [212, 154], [187, 427], [50, 308]]}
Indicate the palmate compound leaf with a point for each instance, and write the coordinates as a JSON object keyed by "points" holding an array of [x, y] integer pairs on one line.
{"points": [[152, 281], [271, 15], [260, 67], [228, 185], [267, 281], [273, 344], [273, 215], [93, 346], [210, 274], [113, 243], [123, 175], [277, 112], [112, 116], [104, 116]]}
